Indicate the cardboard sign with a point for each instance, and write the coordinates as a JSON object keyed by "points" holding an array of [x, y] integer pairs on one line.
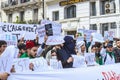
{"points": [[79, 61], [40, 64], [5, 64], [21, 64]]}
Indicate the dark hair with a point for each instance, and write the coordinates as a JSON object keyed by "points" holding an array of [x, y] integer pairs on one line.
{"points": [[2, 42], [52, 51], [93, 46], [98, 44], [22, 46]]}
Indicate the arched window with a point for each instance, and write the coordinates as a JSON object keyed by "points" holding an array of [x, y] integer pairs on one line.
{"points": [[70, 11]]}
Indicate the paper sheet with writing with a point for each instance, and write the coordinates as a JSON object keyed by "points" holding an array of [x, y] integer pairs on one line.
{"points": [[40, 64], [79, 61], [90, 58], [55, 64]]}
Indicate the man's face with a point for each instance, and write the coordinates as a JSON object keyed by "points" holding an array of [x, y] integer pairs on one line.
{"points": [[109, 49], [2, 48], [118, 44], [33, 51]]}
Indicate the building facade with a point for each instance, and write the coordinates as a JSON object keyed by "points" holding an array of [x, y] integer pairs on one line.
{"points": [[21, 11], [100, 15]]}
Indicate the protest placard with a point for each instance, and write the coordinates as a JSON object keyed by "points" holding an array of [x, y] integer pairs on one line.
{"points": [[19, 29], [48, 28], [90, 58], [9, 38], [79, 61], [55, 64], [5, 64], [40, 64], [109, 35], [21, 64]]}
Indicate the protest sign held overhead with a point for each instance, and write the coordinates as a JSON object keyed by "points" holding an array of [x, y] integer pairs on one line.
{"points": [[87, 33], [19, 29], [48, 28], [109, 35]]}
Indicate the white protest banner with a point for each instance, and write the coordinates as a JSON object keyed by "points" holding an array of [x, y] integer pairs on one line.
{"points": [[79, 61], [19, 29], [55, 64], [5, 64], [107, 72], [21, 64], [90, 58], [9, 38], [109, 35], [40, 64]]}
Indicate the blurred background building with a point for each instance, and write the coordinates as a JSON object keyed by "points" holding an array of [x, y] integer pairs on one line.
{"points": [[100, 15]]}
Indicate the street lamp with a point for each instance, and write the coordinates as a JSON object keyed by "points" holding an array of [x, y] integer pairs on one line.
{"points": [[43, 9]]}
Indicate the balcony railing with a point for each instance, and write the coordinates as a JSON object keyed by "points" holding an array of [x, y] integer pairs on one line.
{"points": [[16, 2]]}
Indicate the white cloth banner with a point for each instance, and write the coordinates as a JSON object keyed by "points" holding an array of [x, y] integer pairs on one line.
{"points": [[107, 72], [19, 30]]}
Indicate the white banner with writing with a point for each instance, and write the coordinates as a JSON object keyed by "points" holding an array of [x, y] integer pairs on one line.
{"points": [[107, 72], [19, 29]]}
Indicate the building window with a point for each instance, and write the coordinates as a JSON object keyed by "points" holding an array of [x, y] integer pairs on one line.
{"points": [[113, 25], [22, 16], [70, 12], [92, 8], [107, 7], [55, 15], [104, 27], [10, 18], [93, 27], [35, 15]]}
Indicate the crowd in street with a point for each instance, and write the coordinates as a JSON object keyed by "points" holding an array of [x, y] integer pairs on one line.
{"points": [[105, 53]]}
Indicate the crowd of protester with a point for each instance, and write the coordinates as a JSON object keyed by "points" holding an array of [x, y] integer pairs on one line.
{"points": [[105, 53]]}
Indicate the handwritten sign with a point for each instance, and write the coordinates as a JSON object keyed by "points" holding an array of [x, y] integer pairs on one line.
{"points": [[19, 29], [109, 35], [40, 64], [79, 61], [49, 28], [55, 64], [21, 64], [5, 64], [90, 58], [82, 32]]}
